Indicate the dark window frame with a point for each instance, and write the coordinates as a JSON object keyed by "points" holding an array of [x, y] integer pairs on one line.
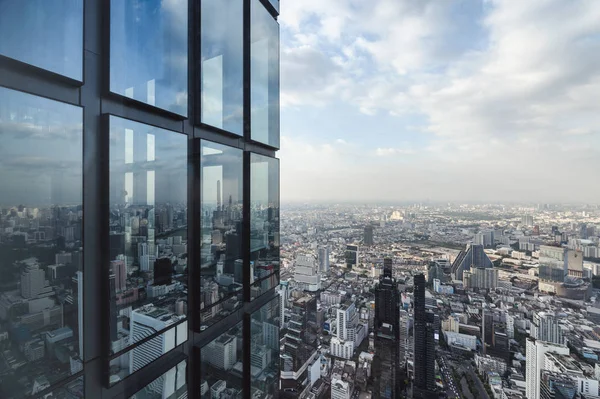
{"points": [[94, 96]]}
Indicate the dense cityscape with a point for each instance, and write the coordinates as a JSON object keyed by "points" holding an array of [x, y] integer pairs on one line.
{"points": [[439, 300]]}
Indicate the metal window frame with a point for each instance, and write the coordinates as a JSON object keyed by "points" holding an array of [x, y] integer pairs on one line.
{"points": [[94, 96]]}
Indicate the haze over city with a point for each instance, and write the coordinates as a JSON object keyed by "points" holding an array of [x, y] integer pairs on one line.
{"points": [[393, 100]]}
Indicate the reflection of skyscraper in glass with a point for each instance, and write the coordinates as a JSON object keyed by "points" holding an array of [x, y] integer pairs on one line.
{"points": [[119, 270], [146, 321], [219, 195], [32, 281]]}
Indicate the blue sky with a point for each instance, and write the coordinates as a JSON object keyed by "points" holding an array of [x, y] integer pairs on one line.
{"points": [[443, 100]]}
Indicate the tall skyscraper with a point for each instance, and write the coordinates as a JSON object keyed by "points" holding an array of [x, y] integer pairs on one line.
{"points": [[32, 281], [545, 327], [424, 350], [323, 257], [387, 333], [351, 256], [387, 300], [527, 220], [300, 342], [536, 351], [306, 273], [119, 269], [368, 235]]}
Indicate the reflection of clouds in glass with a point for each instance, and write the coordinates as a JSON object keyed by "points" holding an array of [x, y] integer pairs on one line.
{"points": [[264, 87], [41, 154], [149, 52], [222, 65], [157, 153], [44, 33]]}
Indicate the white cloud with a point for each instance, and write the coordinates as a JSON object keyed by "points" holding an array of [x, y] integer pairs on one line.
{"points": [[512, 95]]}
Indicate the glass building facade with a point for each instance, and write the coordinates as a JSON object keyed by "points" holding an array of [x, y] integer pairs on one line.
{"points": [[139, 199]]}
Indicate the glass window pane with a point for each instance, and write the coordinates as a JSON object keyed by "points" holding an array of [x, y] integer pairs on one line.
{"points": [[45, 33], [275, 4], [221, 220], [145, 353], [264, 352], [148, 232], [222, 64], [170, 385], [148, 52], [41, 280], [221, 366], [70, 390], [264, 224], [264, 80]]}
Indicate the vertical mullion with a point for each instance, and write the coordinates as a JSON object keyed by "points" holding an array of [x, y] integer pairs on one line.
{"points": [[247, 29], [246, 356], [95, 190]]}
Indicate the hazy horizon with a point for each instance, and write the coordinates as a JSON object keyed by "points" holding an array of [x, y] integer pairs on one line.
{"points": [[480, 101]]}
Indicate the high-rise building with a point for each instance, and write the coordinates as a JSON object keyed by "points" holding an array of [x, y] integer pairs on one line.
{"points": [[545, 327], [527, 220], [154, 132], [306, 273], [387, 300], [536, 351], [424, 343], [473, 255], [351, 256], [323, 257], [119, 269], [32, 281], [555, 385], [368, 235], [300, 342], [485, 238], [144, 323], [480, 277]]}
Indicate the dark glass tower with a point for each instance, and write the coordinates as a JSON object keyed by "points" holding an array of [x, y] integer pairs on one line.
{"points": [[387, 333], [368, 235], [143, 199], [424, 352]]}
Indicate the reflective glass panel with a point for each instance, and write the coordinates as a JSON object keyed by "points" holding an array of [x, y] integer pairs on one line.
{"points": [[70, 390], [264, 352], [221, 257], [148, 232], [221, 366], [275, 4], [264, 80], [264, 224], [222, 64], [45, 33], [148, 52], [170, 385], [148, 351], [41, 279]]}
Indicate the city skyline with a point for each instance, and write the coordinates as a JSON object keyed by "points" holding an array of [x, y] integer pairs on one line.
{"points": [[471, 100]]}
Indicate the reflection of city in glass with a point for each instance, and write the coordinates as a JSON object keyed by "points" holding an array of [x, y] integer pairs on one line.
{"points": [[170, 385], [264, 79], [148, 52], [221, 365], [221, 219], [264, 224], [264, 350], [222, 69], [41, 280], [148, 242]]}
